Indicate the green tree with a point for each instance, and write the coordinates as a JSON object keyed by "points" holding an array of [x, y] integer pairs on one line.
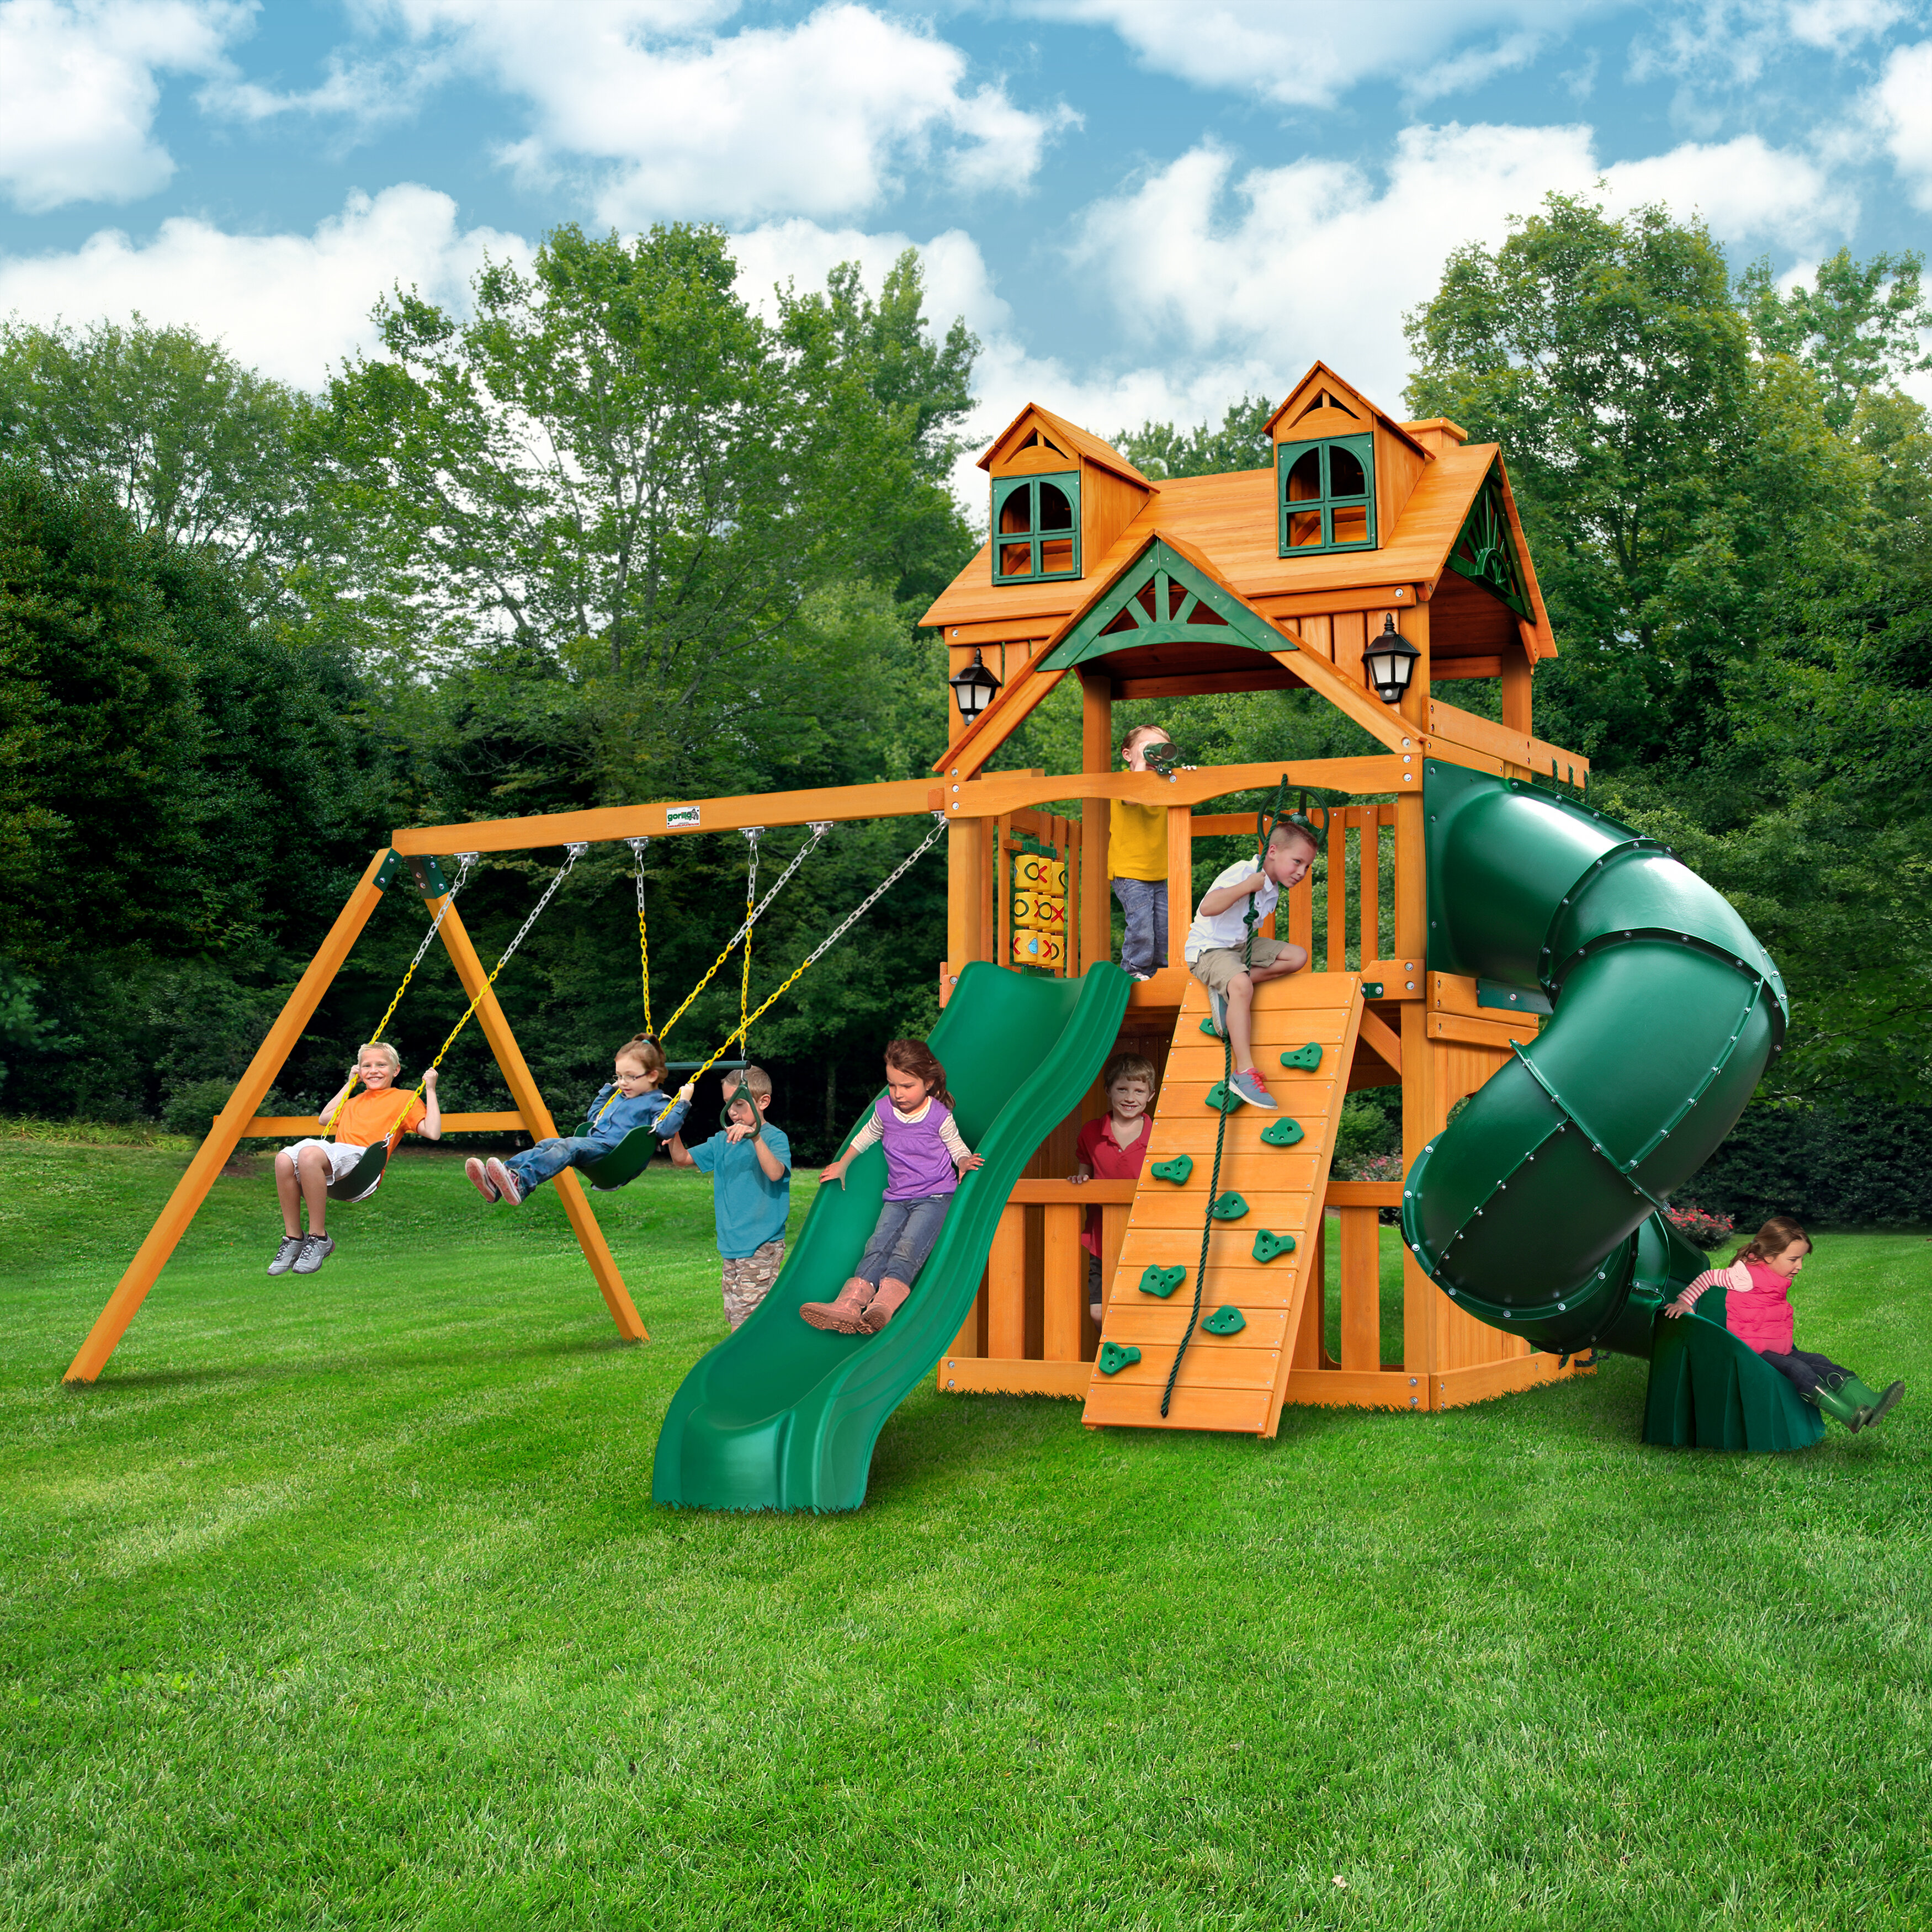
{"points": [[1158, 449]]}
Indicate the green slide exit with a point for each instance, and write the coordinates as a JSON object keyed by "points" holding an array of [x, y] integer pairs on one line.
{"points": [[782, 1416], [1538, 1208]]}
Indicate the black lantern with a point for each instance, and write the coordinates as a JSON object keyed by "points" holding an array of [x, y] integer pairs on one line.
{"points": [[975, 687], [1390, 662]]}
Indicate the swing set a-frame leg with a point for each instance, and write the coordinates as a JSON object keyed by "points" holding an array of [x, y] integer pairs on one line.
{"points": [[530, 1103], [192, 1188]]}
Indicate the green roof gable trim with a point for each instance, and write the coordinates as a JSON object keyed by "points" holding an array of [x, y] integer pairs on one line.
{"points": [[1162, 598], [1484, 551]]}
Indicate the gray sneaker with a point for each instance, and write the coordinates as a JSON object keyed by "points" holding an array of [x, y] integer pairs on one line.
{"points": [[316, 1249], [1251, 1087], [1217, 1011], [292, 1246]]}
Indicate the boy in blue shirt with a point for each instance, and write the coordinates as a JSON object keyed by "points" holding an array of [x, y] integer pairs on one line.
{"points": [[750, 1164], [631, 1099]]}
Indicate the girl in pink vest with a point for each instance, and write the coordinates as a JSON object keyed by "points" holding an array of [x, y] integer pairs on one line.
{"points": [[925, 1157], [1757, 1311]]}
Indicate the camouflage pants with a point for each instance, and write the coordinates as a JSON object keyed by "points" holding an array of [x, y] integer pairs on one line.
{"points": [[748, 1278]]}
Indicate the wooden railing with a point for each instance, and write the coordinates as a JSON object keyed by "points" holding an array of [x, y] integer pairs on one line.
{"points": [[1030, 1318], [1357, 1205], [306, 1126]]}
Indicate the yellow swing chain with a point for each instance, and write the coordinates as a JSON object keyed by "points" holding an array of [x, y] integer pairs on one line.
{"points": [[804, 851], [752, 832], [466, 859], [572, 854], [831, 938], [637, 846]]}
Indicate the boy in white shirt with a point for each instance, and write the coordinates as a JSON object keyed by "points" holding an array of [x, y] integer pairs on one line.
{"points": [[1215, 939]]}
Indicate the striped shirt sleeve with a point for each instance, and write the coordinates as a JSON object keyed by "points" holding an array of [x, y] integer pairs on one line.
{"points": [[870, 1134], [1710, 1278], [949, 1135]]}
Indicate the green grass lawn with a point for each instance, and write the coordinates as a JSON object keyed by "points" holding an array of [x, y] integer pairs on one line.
{"points": [[342, 1602]]}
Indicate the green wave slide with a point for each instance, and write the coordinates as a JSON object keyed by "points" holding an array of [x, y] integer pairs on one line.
{"points": [[782, 1416], [1538, 1208]]}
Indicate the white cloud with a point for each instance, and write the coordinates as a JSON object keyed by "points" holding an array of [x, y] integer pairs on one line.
{"points": [[1902, 105], [1744, 190], [1307, 56], [1839, 24], [288, 304], [1312, 259], [675, 117], [78, 91]]}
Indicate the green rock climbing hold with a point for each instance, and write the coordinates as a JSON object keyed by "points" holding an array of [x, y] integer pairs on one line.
{"points": [[1230, 1207], [1269, 1247], [1176, 1170], [1113, 1358], [1162, 1281], [1208, 1027], [1308, 1058], [1220, 1100], [1283, 1132], [1225, 1322]]}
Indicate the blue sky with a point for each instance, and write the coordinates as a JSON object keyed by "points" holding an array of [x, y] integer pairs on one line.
{"points": [[1143, 207]]}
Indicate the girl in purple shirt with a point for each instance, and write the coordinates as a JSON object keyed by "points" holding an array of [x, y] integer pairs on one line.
{"points": [[925, 1157]]}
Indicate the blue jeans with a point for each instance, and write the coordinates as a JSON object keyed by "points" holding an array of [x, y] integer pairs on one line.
{"points": [[903, 1239], [548, 1159], [1144, 945]]}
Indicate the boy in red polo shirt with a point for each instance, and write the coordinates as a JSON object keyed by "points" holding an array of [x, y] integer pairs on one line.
{"points": [[303, 1171], [1112, 1148]]}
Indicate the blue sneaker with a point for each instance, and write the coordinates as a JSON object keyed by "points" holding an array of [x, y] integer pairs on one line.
{"points": [[1251, 1087]]}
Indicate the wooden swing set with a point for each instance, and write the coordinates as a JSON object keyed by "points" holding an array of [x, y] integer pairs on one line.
{"points": [[412, 854]]}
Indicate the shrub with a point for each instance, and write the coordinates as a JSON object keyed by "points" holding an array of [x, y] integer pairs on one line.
{"points": [[1700, 1229], [190, 1108]]}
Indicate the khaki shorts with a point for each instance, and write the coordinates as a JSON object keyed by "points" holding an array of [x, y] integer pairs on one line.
{"points": [[1214, 970]]}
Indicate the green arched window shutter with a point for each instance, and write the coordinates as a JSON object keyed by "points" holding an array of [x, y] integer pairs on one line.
{"points": [[1035, 527]]}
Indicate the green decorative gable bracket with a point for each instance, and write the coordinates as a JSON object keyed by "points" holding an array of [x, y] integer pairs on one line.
{"points": [[1161, 598], [1485, 551]]}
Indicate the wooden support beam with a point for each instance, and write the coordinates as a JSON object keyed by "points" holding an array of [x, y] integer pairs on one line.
{"points": [[1180, 883], [1382, 1040], [300, 1127], [1096, 761], [524, 1090], [1126, 689], [192, 1188]]}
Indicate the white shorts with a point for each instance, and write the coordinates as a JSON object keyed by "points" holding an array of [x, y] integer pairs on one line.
{"points": [[341, 1160]]}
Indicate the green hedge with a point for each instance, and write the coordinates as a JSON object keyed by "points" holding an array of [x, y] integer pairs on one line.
{"points": [[1842, 1165]]}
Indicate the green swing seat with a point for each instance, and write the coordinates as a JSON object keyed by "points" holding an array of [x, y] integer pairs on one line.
{"points": [[365, 1177], [1708, 1390], [622, 1164]]}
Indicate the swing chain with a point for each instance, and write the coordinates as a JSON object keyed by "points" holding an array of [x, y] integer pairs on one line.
{"points": [[572, 853], [804, 852], [752, 835], [467, 859], [638, 848], [837, 932]]}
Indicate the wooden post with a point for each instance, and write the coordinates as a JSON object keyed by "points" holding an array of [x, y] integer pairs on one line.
{"points": [[1096, 754], [192, 1188], [1516, 692], [965, 844], [1420, 1294], [530, 1101], [1180, 882]]}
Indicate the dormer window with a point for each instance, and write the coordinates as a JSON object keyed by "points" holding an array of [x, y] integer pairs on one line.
{"points": [[1035, 527], [1327, 494]]}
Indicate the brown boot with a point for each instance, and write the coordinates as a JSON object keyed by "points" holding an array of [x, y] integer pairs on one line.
{"points": [[841, 1316], [884, 1305]]}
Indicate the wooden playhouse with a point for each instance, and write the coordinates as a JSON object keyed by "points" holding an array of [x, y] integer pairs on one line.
{"points": [[1265, 580]]}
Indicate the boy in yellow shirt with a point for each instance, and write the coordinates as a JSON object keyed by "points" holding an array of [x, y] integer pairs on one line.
{"points": [[1137, 863]]}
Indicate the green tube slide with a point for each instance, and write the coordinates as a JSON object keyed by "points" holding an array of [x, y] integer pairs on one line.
{"points": [[1538, 1208], [783, 1416]]}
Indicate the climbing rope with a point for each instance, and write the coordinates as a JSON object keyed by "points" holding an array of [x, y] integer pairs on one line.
{"points": [[1265, 831], [831, 938], [467, 859], [638, 848], [751, 917]]}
